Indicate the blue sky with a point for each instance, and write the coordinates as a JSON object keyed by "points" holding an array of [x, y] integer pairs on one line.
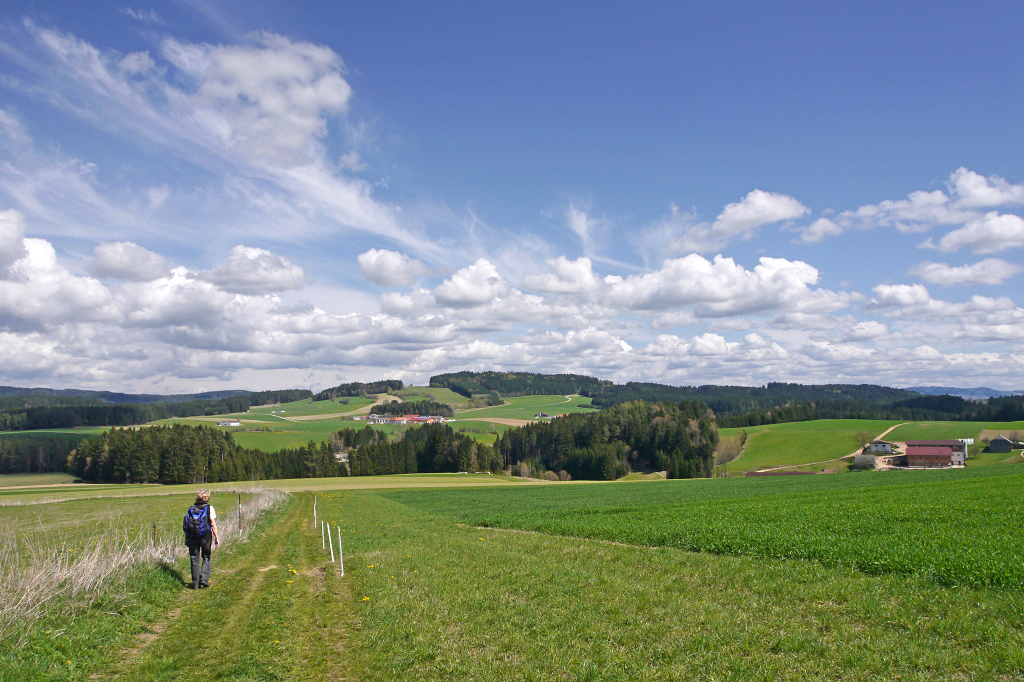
{"points": [[211, 195]]}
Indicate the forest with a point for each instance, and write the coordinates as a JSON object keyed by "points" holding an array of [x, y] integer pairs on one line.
{"points": [[192, 454], [37, 452], [426, 408], [70, 416], [512, 384], [678, 438], [358, 388], [431, 448]]}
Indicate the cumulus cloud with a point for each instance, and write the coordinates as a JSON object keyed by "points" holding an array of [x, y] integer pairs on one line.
{"points": [[40, 291], [12, 238], [990, 233], [568, 277], [476, 284], [740, 220], [126, 261], [867, 330], [723, 287], [819, 229], [390, 268], [249, 270], [990, 272], [976, 191]]}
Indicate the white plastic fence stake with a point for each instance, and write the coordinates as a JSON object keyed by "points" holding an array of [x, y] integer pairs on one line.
{"points": [[322, 540], [314, 511], [341, 558], [330, 541]]}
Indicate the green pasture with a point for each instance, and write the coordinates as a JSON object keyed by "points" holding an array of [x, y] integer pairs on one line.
{"points": [[438, 395], [936, 431], [801, 443], [303, 408], [78, 431], [844, 520], [526, 407], [437, 597], [30, 480], [790, 578]]}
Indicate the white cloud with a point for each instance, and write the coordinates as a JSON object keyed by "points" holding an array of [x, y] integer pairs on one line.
{"points": [[582, 224], [901, 295], [12, 239], [139, 14], [976, 191], [569, 277], [351, 161], [476, 284], [740, 220], [127, 261], [723, 287], [818, 230], [990, 233], [390, 268], [249, 270], [990, 272], [40, 291], [867, 330]]}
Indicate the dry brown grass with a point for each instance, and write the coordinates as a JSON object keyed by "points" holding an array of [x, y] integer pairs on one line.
{"points": [[38, 576]]}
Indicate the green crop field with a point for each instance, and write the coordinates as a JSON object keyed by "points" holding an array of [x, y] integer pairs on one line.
{"points": [[438, 395], [29, 480], [792, 578], [801, 443], [304, 408], [936, 431], [526, 407]]}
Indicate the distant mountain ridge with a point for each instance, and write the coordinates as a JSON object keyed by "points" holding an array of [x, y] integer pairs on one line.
{"points": [[113, 398], [979, 393]]}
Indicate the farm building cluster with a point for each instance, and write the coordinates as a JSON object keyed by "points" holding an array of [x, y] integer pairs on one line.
{"points": [[924, 454], [401, 419]]}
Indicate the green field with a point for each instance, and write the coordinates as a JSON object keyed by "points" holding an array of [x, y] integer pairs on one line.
{"points": [[936, 431], [801, 443], [29, 480], [438, 395], [526, 407], [302, 408], [794, 578]]}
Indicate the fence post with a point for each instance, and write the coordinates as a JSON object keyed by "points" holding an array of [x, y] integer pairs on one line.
{"points": [[238, 512], [314, 511], [322, 540], [341, 557], [330, 541], [154, 535]]}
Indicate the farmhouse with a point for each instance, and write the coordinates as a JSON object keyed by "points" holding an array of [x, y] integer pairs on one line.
{"points": [[1000, 444], [957, 448], [542, 415], [879, 447], [229, 422], [929, 456]]}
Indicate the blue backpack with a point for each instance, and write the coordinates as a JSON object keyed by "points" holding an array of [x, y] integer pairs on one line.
{"points": [[197, 521]]}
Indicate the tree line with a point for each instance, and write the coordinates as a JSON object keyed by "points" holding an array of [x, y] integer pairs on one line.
{"points": [[273, 397], [431, 448], [37, 452], [358, 388], [425, 408], [678, 438], [71, 416], [181, 453], [510, 384]]}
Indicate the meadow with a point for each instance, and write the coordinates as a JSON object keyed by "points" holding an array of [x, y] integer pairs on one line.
{"points": [[595, 581], [801, 443]]}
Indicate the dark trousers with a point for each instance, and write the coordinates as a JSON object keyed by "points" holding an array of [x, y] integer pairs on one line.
{"points": [[199, 552]]}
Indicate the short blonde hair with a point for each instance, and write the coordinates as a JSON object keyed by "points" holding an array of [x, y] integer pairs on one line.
{"points": [[203, 495]]}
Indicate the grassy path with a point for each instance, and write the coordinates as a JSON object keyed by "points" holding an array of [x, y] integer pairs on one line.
{"points": [[275, 611]]}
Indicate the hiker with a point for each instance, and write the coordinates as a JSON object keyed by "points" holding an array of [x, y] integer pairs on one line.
{"points": [[200, 528]]}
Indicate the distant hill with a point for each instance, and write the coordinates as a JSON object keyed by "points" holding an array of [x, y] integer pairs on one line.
{"points": [[979, 393], [112, 398]]}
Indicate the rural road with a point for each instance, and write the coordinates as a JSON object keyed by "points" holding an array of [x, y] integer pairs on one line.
{"points": [[272, 601]]}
